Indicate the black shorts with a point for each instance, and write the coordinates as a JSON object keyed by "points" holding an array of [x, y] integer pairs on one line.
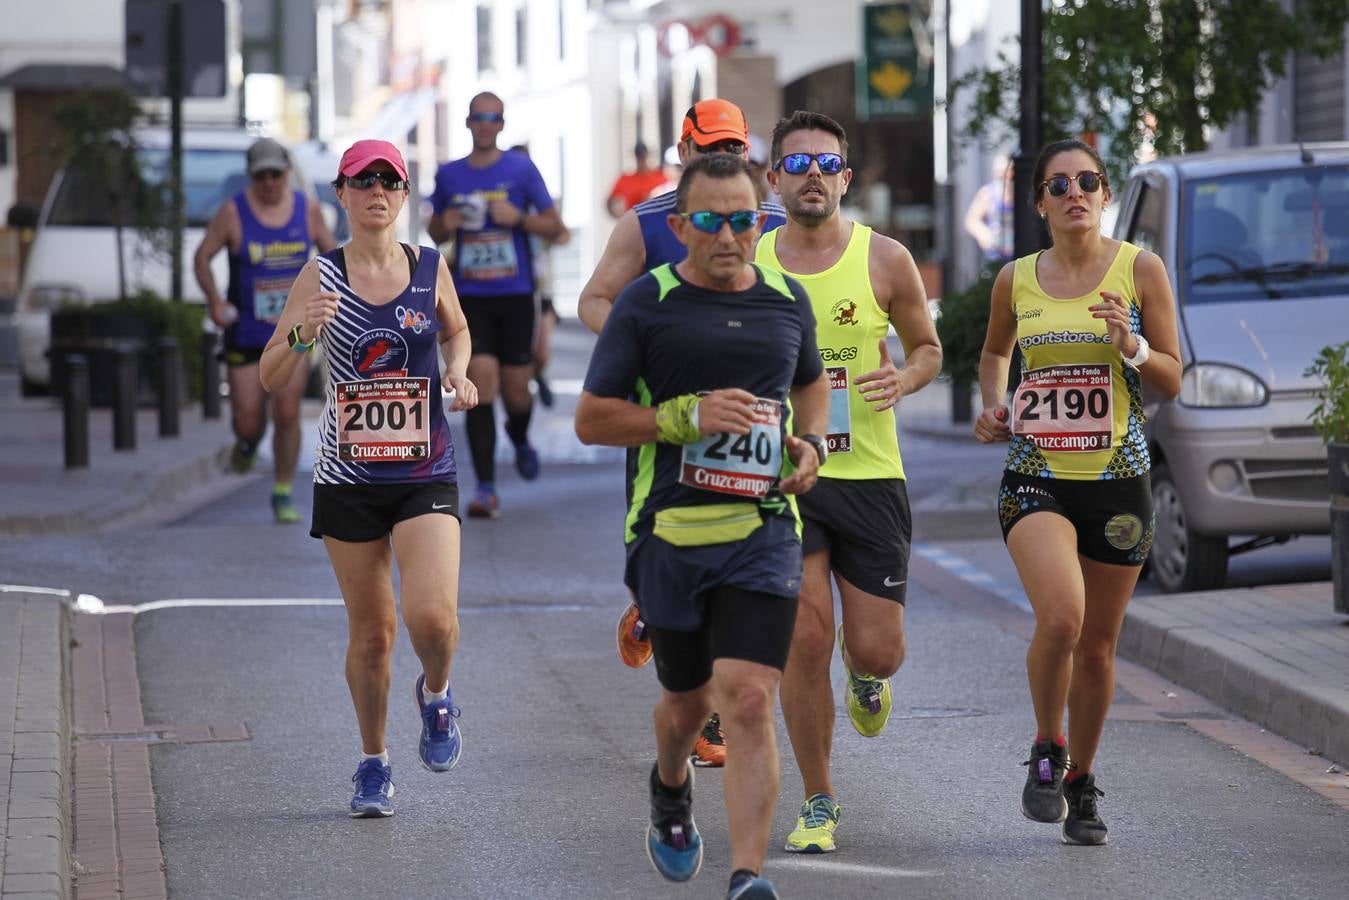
{"points": [[232, 355], [867, 528], [1113, 518], [502, 327], [739, 624], [368, 512]]}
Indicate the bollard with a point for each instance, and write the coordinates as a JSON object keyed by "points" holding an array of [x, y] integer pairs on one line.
{"points": [[75, 410], [170, 386], [210, 377], [124, 398]]}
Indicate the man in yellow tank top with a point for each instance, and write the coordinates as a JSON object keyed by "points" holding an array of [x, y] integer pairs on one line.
{"points": [[856, 519]]}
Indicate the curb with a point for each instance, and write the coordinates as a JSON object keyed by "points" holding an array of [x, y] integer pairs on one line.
{"points": [[36, 813], [1241, 679], [157, 491]]}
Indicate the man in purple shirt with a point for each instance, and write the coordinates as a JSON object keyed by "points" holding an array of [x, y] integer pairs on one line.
{"points": [[480, 203]]}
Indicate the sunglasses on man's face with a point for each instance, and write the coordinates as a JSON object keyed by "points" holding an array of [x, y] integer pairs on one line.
{"points": [[486, 117], [736, 148], [799, 163], [366, 180], [741, 220], [268, 174], [1090, 182]]}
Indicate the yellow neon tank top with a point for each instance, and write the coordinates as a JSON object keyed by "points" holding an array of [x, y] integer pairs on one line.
{"points": [[849, 325], [1084, 396]]}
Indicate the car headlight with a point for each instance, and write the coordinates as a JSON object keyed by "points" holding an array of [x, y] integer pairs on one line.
{"points": [[1212, 384], [47, 297]]}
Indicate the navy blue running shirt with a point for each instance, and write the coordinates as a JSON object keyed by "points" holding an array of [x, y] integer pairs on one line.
{"points": [[667, 337]]}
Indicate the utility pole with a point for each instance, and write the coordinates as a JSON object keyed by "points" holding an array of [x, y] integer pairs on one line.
{"points": [[1028, 231], [175, 67]]}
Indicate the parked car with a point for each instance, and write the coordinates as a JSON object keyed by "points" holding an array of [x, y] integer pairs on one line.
{"points": [[1257, 245], [74, 254]]}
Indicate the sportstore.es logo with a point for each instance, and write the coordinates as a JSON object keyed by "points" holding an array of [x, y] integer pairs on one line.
{"points": [[1063, 337]]}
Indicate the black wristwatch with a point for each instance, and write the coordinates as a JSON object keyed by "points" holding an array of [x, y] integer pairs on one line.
{"points": [[820, 445]]}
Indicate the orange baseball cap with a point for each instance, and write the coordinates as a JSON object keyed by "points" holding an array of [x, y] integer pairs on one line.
{"points": [[710, 121]]}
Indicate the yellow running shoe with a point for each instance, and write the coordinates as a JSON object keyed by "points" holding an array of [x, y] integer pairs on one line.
{"points": [[868, 698], [815, 826]]}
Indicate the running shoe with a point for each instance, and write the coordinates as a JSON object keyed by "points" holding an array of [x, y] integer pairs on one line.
{"points": [[526, 461], [545, 391], [1042, 798], [484, 504], [672, 841], [751, 887], [374, 790], [709, 750], [242, 457], [441, 743], [815, 826], [634, 646], [283, 509], [1083, 823], [868, 698]]}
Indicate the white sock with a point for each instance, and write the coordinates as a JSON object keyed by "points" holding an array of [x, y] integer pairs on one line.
{"points": [[383, 757], [429, 696]]}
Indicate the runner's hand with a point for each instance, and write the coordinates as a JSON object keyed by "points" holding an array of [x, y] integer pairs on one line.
{"points": [[807, 461], [452, 219], [319, 310], [729, 409], [505, 213], [884, 386], [222, 314], [465, 392], [1115, 311], [992, 425]]}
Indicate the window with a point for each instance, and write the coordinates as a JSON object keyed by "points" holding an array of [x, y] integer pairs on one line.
{"points": [[1149, 218], [210, 177], [521, 38], [484, 38]]}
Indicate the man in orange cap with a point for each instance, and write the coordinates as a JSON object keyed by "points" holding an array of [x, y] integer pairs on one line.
{"points": [[641, 241]]}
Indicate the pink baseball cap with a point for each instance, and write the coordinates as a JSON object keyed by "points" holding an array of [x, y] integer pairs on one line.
{"points": [[363, 153]]}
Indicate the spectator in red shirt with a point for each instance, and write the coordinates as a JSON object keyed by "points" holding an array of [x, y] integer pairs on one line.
{"points": [[632, 188]]}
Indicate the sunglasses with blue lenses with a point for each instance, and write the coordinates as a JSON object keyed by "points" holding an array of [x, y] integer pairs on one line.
{"points": [[741, 220], [486, 117], [366, 180], [799, 163]]}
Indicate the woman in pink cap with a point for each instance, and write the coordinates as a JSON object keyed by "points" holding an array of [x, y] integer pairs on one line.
{"points": [[385, 485]]}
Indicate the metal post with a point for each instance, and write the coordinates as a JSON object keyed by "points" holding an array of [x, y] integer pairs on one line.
{"points": [[1027, 228], [170, 386], [75, 410], [175, 67], [124, 399], [210, 377]]}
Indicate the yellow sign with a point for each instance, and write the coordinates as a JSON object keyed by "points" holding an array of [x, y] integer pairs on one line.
{"points": [[890, 81], [893, 22]]}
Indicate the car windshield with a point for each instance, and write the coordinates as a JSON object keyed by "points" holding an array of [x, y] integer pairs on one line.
{"points": [[1266, 235], [209, 178]]}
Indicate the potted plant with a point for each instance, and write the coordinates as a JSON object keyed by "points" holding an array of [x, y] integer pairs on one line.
{"points": [[962, 323], [1331, 419]]}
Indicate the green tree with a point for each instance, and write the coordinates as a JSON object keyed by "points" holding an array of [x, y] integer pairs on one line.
{"points": [[1156, 70]]}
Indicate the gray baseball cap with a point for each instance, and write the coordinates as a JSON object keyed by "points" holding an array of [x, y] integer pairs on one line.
{"points": [[266, 153]]}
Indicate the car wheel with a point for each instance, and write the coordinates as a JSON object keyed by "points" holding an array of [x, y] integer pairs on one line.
{"points": [[1182, 560]]}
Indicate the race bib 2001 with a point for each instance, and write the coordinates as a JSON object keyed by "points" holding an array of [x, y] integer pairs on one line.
{"points": [[1066, 408], [383, 420], [743, 465]]}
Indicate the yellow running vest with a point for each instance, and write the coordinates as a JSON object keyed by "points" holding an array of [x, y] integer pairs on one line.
{"points": [[1078, 413], [849, 326]]}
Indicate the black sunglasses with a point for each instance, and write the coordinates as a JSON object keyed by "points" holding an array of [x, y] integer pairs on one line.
{"points": [[1090, 182], [486, 117], [799, 163], [735, 148], [366, 180], [741, 220], [264, 174]]}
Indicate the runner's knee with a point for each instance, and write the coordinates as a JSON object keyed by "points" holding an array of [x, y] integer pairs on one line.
{"points": [[748, 702], [372, 644], [1060, 628]]}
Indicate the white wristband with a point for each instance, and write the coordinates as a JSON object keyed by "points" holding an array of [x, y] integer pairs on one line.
{"points": [[1141, 356]]}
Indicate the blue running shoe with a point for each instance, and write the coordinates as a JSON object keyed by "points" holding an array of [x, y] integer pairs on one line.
{"points": [[672, 841], [747, 887], [441, 742], [526, 461], [374, 790]]}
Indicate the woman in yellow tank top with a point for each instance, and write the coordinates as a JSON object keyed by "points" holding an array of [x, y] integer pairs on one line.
{"points": [[1075, 502]]}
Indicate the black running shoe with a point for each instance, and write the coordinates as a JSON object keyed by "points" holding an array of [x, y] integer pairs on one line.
{"points": [[1083, 825], [1042, 798], [672, 840]]}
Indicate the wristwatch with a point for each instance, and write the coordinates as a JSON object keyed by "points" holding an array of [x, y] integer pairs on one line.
{"points": [[299, 346], [819, 443], [1141, 356]]}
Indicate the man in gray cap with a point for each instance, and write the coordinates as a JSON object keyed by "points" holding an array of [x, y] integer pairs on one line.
{"points": [[270, 230]]}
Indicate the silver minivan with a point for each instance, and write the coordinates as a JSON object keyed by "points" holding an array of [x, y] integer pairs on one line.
{"points": [[1257, 245]]}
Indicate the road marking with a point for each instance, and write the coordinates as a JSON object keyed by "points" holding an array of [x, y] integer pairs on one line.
{"points": [[963, 569], [29, 589], [818, 862]]}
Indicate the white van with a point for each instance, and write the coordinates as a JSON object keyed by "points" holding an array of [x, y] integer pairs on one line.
{"points": [[74, 254]]}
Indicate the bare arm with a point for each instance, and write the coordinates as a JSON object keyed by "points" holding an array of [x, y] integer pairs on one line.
{"points": [[614, 422], [456, 345], [623, 261], [995, 360], [224, 225], [442, 226], [900, 292], [1162, 370], [974, 218], [318, 229]]}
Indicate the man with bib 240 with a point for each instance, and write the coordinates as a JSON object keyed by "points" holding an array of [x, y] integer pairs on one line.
{"points": [[270, 231], [713, 348]]}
